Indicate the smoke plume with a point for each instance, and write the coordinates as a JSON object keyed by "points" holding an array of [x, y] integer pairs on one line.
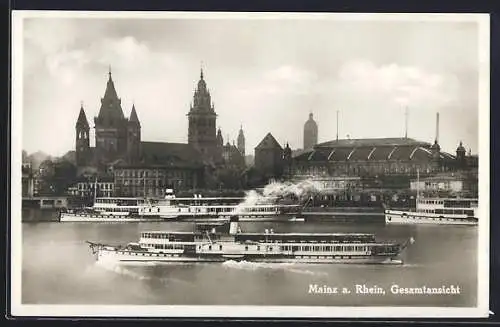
{"points": [[275, 191]]}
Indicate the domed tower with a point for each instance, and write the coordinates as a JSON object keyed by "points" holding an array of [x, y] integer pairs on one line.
{"points": [[461, 155], [202, 119], [134, 137], [82, 142], [241, 141], [310, 133]]}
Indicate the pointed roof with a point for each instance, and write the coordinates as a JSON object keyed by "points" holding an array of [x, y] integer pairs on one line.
{"points": [[133, 116], [82, 119], [110, 92], [202, 101], [269, 142], [110, 104], [202, 85]]}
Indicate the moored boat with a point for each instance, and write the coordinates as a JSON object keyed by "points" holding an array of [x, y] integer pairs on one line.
{"points": [[438, 211], [219, 244], [196, 208]]}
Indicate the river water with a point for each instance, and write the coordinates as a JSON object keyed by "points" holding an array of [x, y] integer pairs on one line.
{"points": [[58, 268]]}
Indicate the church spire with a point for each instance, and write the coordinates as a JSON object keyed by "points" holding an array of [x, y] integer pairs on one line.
{"points": [[82, 121], [111, 109], [133, 116]]}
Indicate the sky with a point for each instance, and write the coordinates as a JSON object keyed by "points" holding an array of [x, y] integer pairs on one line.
{"points": [[265, 75]]}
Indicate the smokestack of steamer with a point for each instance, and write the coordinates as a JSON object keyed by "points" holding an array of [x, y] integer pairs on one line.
{"points": [[233, 225]]}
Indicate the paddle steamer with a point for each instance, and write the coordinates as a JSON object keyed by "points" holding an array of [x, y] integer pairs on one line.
{"points": [[437, 211], [210, 244], [196, 208], [441, 211]]}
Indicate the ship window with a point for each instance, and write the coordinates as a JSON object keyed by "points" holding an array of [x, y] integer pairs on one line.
{"points": [[220, 247], [270, 248], [210, 247], [258, 247], [246, 248]]}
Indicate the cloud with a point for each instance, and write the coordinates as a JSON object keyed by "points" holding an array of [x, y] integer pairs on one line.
{"points": [[394, 84], [285, 80], [265, 85]]}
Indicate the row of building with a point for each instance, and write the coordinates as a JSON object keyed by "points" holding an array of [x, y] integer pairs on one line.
{"points": [[122, 164]]}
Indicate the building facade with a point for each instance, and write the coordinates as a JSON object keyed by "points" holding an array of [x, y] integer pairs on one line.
{"points": [[269, 157], [455, 183], [310, 133], [163, 165], [85, 188], [232, 156], [27, 181], [372, 157]]}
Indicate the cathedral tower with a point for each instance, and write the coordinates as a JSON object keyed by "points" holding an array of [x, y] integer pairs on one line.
{"points": [[310, 133], [82, 142], [241, 141], [461, 161], [202, 119], [134, 137], [220, 139], [110, 126]]}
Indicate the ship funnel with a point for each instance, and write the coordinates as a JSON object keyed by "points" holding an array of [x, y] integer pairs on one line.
{"points": [[233, 225]]}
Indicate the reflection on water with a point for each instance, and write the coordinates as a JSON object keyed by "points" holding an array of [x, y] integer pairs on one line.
{"points": [[58, 268]]}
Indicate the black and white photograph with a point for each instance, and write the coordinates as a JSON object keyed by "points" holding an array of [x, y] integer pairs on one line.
{"points": [[202, 164]]}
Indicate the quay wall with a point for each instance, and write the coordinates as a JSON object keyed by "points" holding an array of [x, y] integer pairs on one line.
{"points": [[38, 215]]}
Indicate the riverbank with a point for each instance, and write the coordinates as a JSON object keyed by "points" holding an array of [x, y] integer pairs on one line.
{"points": [[341, 214]]}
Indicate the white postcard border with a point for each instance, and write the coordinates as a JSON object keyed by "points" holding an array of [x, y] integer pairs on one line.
{"points": [[19, 309]]}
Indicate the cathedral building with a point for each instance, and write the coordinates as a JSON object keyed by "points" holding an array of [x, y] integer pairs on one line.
{"points": [[202, 120], [116, 137], [139, 168], [310, 133]]}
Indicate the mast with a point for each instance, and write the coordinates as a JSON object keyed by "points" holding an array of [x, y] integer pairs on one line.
{"points": [[418, 186], [337, 125], [95, 190], [406, 123]]}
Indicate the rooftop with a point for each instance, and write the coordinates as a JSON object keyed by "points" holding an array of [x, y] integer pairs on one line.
{"points": [[389, 141]]}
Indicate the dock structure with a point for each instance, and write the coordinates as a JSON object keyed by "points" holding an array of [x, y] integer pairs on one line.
{"points": [[45, 202]]}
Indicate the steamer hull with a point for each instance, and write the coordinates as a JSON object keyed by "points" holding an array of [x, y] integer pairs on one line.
{"points": [[416, 218], [74, 217], [117, 257], [212, 245]]}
